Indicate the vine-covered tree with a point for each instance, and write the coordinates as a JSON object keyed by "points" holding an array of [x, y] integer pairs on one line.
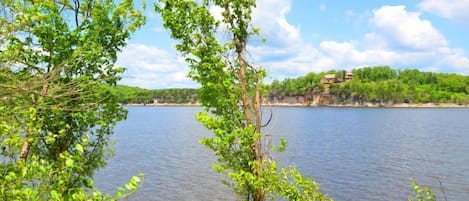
{"points": [[231, 89], [56, 56]]}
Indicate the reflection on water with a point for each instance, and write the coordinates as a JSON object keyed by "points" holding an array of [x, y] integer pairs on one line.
{"points": [[355, 154]]}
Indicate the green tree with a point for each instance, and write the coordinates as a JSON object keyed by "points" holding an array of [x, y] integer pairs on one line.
{"points": [[231, 90], [56, 57]]}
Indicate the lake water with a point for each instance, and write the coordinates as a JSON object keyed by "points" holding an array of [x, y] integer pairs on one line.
{"points": [[354, 153]]}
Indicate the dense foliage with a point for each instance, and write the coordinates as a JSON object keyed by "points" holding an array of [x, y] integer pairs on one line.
{"points": [[56, 59], [128, 94], [382, 85]]}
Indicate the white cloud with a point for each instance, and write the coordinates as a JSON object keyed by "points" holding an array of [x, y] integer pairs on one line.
{"points": [[285, 53], [413, 41], [397, 37], [401, 39], [404, 29], [347, 55], [148, 58], [457, 59], [270, 15], [216, 12], [454, 10], [151, 67], [290, 32]]}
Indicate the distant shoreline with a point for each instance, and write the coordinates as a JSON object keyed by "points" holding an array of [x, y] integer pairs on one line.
{"points": [[365, 105]]}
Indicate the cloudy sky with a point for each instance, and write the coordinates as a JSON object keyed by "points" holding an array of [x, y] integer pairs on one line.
{"points": [[313, 36]]}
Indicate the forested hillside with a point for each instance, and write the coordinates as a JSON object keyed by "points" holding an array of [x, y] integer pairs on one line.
{"points": [[381, 84], [378, 85], [137, 95]]}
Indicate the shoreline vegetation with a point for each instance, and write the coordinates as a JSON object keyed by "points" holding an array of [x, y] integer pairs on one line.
{"points": [[365, 105], [379, 86]]}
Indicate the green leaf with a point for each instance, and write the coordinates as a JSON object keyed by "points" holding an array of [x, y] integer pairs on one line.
{"points": [[69, 162], [79, 148], [54, 195]]}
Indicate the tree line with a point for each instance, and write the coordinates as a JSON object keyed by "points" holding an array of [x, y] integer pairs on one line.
{"points": [[137, 95], [379, 84]]}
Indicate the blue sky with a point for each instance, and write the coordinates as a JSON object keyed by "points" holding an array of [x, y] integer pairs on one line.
{"points": [[313, 36]]}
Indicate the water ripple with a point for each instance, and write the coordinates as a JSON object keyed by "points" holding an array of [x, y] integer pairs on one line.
{"points": [[355, 154]]}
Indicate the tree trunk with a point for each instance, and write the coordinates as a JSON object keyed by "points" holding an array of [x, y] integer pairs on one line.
{"points": [[247, 102], [25, 148]]}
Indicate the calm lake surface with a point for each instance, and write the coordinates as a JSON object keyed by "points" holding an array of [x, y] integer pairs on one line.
{"points": [[354, 153]]}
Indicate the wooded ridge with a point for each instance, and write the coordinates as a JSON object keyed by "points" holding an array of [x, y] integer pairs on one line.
{"points": [[380, 85]]}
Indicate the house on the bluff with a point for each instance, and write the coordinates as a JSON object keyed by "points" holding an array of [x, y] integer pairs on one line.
{"points": [[329, 79], [332, 79]]}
